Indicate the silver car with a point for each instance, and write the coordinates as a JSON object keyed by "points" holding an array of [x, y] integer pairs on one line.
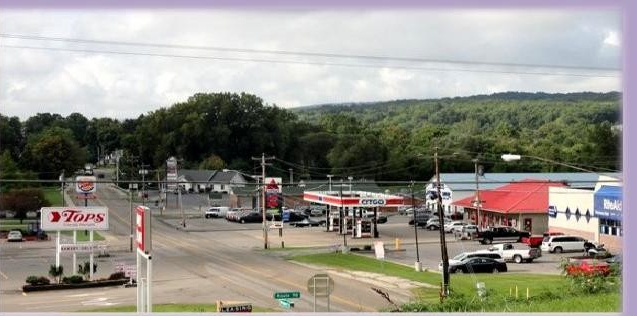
{"points": [[14, 235]]}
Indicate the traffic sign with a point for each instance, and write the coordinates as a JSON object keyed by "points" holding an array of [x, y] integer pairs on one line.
{"points": [[286, 295], [286, 303], [320, 285]]}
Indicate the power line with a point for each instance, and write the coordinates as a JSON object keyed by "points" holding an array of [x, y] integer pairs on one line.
{"points": [[293, 62], [302, 53]]}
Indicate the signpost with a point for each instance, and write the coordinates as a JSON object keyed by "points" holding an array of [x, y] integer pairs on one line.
{"points": [[320, 285], [144, 247]]}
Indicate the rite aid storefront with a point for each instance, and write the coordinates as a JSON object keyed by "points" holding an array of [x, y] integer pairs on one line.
{"points": [[608, 209]]}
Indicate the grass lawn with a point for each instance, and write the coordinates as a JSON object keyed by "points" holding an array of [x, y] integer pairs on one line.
{"points": [[53, 195], [172, 308], [81, 236], [547, 292]]}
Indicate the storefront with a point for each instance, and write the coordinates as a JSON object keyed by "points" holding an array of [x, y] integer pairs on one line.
{"points": [[571, 212], [608, 208]]}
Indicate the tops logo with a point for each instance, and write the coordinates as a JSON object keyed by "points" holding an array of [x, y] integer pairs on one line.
{"points": [[372, 202], [612, 205], [75, 216]]}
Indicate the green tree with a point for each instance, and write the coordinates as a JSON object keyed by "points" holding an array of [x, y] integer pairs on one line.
{"points": [[22, 201], [213, 162], [52, 151]]}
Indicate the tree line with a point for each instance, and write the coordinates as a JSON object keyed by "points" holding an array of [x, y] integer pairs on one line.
{"points": [[381, 141]]}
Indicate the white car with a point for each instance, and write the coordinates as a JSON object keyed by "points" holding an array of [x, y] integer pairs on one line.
{"points": [[454, 226], [14, 235], [562, 243], [509, 253]]}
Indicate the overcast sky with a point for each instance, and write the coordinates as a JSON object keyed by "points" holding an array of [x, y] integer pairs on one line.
{"points": [[101, 84]]}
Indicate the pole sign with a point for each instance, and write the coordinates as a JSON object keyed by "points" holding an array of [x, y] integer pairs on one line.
{"points": [[74, 218], [143, 229], [83, 247], [171, 173], [85, 184]]}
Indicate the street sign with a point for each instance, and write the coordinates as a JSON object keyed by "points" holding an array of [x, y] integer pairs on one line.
{"points": [[379, 249], [74, 218], [320, 285], [84, 247], [286, 303], [129, 270], [234, 307], [85, 184], [276, 225], [143, 229], [286, 216], [286, 295]]}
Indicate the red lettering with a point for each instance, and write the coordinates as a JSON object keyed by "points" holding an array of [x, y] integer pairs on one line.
{"points": [[89, 217], [69, 214], [100, 218], [78, 218]]}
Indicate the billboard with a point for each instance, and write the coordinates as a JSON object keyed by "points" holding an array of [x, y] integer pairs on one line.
{"points": [[273, 196], [171, 173], [85, 185], [74, 218]]}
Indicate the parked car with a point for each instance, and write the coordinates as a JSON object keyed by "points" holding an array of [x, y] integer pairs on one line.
{"points": [[217, 211], [309, 223], [432, 224], [478, 265], [474, 254], [503, 233], [382, 219], [454, 226], [252, 217], [14, 235], [509, 253], [562, 243], [295, 216]]}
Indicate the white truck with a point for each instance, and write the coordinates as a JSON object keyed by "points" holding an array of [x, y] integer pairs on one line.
{"points": [[508, 253]]}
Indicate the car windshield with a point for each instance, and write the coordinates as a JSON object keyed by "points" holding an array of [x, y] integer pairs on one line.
{"points": [[459, 257]]}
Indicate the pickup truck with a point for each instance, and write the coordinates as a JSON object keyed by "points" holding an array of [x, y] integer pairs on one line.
{"points": [[500, 234], [508, 253]]}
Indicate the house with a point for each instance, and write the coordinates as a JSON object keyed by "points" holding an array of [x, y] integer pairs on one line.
{"points": [[209, 180]]}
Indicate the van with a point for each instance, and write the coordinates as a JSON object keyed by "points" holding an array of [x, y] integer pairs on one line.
{"points": [[562, 243], [217, 211]]}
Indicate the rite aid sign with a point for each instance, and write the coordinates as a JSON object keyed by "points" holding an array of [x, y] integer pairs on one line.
{"points": [[74, 218]]}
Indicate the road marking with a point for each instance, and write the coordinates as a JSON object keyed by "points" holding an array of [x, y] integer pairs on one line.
{"points": [[4, 275]]}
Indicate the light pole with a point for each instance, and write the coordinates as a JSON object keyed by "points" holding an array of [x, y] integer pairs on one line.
{"points": [[417, 264], [443, 242], [143, 172], [329, 176]]}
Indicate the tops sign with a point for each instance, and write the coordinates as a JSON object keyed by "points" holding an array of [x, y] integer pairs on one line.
{"points": [[85, 184], [74, 218]]}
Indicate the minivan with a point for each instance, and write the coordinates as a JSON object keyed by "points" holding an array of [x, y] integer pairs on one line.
{"points": [[562, 243]]}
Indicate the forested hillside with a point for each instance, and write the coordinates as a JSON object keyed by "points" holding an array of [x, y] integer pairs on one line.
{"points": [[383, 141]]}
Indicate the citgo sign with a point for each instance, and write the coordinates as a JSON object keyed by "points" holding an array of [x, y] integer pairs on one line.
{"points": [[372, 202], [74, 218]]}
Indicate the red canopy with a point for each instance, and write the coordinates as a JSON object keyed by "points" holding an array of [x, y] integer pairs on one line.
{"points": [[526, 196]]}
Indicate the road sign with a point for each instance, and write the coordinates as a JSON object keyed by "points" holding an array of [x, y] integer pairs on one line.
{"points": [[320, 285], [143, 229], [234, 308], [74, 218], [286, 303], [129, 270], [286, 216], [286, 295], [276, 225]]}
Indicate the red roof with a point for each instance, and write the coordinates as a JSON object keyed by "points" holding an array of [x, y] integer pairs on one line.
{"points": [[526, 196]]}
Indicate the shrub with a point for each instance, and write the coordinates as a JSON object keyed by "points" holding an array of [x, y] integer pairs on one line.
{"points": [[35, 280], [74, 279], [367, 247], [117, 276], [56, 272]]}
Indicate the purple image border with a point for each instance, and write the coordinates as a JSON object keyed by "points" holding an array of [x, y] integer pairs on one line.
{"points": [[626, 9]]}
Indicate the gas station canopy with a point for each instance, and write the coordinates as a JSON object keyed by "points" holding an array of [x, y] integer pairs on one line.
{"points": [[353, 199]]}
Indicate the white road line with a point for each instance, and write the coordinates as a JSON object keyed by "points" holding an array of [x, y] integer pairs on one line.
{"points": [[4, 276]]}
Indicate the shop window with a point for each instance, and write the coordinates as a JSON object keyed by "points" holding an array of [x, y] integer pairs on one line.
{"points": [[577, 214], [568, 213], [588, 216]]}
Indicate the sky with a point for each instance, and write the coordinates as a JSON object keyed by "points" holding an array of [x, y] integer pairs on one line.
{"points": [[287, 57]]}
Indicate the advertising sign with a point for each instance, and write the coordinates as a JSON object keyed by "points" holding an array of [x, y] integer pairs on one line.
{"points": [[171, 173], [273, 185], [143, 229], [84, 184], [74, 218], [608, 203], [234, 308], [379, 249], [82, 247], [130, 270]]}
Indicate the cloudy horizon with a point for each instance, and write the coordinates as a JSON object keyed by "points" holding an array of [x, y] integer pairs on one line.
{"points": [[124, 63]]}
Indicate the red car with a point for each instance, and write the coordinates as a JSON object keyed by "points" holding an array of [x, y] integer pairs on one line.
{"points": [[535, 241]]}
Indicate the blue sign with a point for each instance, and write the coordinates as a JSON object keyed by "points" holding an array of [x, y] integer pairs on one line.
{"points": [[552, 211], [608, 203], [286, 216]]}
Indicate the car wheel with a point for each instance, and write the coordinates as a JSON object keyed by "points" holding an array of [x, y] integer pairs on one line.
{"points": [[495, 270], [517, 259], [489, 241], [558, 250], [243, 221]]}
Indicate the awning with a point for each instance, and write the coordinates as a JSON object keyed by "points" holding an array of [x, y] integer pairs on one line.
{"points": [[608, 203]]}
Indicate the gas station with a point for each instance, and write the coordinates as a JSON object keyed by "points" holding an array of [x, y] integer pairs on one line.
{"points": [[349, 212]]}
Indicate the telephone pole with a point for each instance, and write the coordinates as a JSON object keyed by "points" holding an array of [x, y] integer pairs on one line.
{"points": [[443, 242], [263, 164], [477, 203]]}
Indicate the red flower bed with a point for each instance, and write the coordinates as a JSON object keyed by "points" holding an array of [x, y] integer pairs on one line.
{"points": [[584, 268]]}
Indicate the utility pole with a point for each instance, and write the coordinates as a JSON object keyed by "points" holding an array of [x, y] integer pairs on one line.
{"points": [[417, 264], [477, 202], [291, 175], [343, 224], [143, 172], [265, 228], [443, 242]]}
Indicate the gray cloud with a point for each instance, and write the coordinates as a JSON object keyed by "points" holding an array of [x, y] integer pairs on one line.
{"points": [[125, 86]]}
